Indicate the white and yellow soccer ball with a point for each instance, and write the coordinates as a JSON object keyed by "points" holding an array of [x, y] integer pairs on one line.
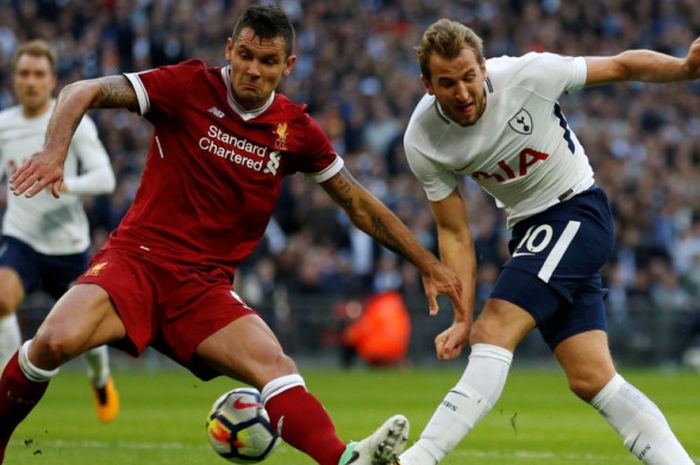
{"points": [[239, 427]]}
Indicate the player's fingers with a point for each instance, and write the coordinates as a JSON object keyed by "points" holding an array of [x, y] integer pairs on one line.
{"points": [[433, 306], [37, 187], [454, 348], [56, 188], [18, 180], [20, 185], [440, 344]]}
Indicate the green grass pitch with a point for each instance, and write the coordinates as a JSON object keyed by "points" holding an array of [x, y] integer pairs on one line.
{"points": [[536, 422]]}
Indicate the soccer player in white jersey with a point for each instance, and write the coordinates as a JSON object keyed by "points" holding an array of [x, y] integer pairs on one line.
{"points": [[45, 240], [498, 121]]}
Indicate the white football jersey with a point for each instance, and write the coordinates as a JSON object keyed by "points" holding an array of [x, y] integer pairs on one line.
{"points": [[521, 151], [52, 226]]}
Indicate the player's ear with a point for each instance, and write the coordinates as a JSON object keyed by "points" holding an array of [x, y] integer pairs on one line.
{"points": [[229, 49], [428, 86], [289, 65]]}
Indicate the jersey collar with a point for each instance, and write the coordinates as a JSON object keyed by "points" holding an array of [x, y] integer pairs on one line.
{"points": [[242, 112]]}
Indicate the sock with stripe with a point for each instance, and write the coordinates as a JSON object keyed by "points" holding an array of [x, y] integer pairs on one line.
{"points": [[644, 429], [301, 420], [21, 386], [473, 397]]}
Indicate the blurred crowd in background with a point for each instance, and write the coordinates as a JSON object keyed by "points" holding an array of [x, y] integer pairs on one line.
{"points": [[356, 70]]}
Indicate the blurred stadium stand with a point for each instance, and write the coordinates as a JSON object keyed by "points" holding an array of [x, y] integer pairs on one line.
{"points": [[356, 71]]}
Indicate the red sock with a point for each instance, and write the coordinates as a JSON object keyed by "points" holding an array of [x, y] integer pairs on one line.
{"points": [[305, 425], [18, 396]]}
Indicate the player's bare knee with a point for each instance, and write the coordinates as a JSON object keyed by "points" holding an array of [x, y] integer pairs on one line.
{"points": [[285, 365], [587, 387], [9, 301], [53, 347], [6, 307]]}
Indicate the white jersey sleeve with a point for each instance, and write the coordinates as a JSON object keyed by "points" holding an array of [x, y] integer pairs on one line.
{"points": [[96, 176], [438, 181], [548, 74], [521, 151]]}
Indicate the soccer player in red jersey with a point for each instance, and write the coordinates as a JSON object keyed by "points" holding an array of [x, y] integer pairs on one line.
{"points": [[223, 141]]}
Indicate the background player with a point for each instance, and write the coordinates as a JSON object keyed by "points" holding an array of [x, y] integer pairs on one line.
{"points": [[499, 122], [223, 140], [45, 240]]}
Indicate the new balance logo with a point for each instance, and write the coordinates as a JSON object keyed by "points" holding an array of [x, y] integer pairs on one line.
{"points": [[216, 112]]}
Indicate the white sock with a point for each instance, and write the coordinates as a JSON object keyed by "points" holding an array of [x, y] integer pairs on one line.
{"points": [[279, 385], [474, 395], [33, 373], [97, 362], [10, 338], [641, 424]]}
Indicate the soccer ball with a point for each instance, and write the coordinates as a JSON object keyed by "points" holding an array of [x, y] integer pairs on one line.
{"points": [[239, 427]]}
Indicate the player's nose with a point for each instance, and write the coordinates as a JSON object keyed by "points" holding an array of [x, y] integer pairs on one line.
{"points": [[461, 93], [253, 69]]}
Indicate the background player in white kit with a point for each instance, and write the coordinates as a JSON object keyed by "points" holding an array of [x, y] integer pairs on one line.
{"points": [[45, 240], [499, 122]]}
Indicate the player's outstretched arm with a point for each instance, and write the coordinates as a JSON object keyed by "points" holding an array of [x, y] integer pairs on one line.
{"points": [[45, 168], [644, 65], [374, 218], [457, 252]]}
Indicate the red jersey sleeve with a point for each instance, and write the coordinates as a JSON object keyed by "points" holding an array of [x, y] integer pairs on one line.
{"points": [[161, 90], [321, 162]]}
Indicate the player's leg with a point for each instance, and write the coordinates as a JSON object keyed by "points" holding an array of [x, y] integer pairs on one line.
{"points": [[58, 273], [498, 330], [247, 350], [82, 319], [19, 273], [589, 369], [104, 390], [11, 295]]}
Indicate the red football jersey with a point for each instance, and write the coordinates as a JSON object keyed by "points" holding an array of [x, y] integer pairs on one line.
{"points": [[213, 172]]}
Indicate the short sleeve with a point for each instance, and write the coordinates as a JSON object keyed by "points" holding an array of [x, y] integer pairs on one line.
{"points": [[162, 88], [320, 161], [437, 181], [557, 73], [548, 74]]}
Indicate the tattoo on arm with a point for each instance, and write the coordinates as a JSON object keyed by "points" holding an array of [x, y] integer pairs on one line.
{"points": [[380, 232], [116, 92], [343, 190], [343, 185]]}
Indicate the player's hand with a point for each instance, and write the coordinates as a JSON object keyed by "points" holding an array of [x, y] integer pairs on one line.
{"points": [[692, 61], [443, 280], [450, 343], [41, 170]]}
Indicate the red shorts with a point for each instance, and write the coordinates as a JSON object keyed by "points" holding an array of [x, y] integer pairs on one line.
{"points": [[168, 306]]}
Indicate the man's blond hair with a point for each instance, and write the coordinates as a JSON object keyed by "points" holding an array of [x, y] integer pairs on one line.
{"points": [[36, 48], [447, 38]]}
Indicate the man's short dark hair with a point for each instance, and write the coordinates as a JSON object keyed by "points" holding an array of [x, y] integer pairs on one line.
{"points": [[268, 22]]}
